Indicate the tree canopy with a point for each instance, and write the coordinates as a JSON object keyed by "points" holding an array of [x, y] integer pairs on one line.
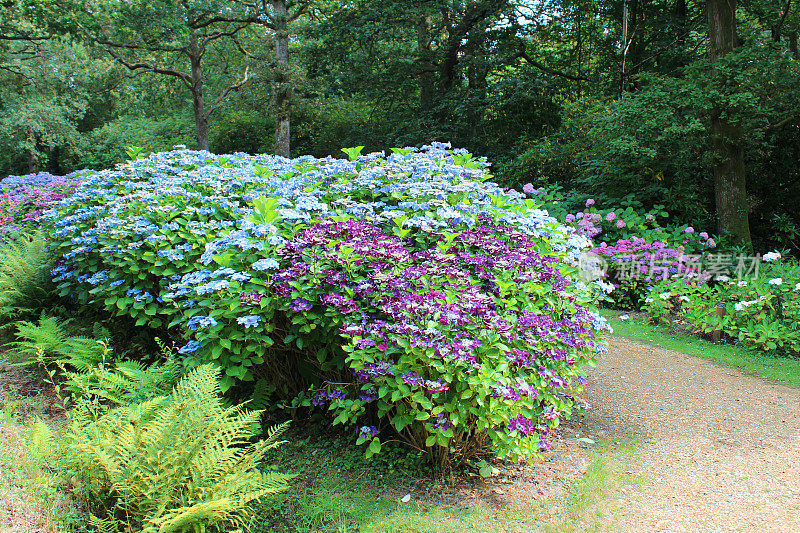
{"points": [[690, 104]]}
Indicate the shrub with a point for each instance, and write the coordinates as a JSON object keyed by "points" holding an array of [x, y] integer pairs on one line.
{"points": [[178, 463], [24, 198], [762, 309], [107, 144], [635, 247], [269, 266]]}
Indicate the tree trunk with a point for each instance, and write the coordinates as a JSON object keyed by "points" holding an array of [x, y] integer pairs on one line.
{"points": [[623, 48], [425, 62], [681, 12], [793, 45], [283, 89], [682, 16], [198, 101], [33, 161], [729, 168]]}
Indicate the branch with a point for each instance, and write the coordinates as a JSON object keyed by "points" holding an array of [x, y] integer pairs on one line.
{"points": [[784, 122], [24, 37], [146, 67], [663, 49], [783, 17], [220, 34], [524, 55], [127, 46], [232, 88], [236, 86], [299, 11]]}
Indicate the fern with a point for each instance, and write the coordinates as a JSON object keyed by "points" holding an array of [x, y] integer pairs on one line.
{"points": [[26, 286], [177, 463], [50, 338], [124, 383]]}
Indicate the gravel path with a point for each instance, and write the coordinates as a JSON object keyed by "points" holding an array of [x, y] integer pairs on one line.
{"points": [[718, 450]]}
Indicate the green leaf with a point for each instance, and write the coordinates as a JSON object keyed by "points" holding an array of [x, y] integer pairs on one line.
{"points": [[375, 445]]}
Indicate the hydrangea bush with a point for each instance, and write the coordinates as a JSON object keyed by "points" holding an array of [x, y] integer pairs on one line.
{"points": [[638, 249], [760, 309], [23, 199], [406, 294]]}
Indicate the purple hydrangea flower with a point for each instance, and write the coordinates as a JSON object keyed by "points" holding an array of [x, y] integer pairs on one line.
{"points": [[367, 432], [522, 424], [301, 304]]}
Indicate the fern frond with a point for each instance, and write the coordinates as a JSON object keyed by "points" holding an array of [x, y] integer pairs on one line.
{"points": [[26, 285], [49, 335], [180, 462]]}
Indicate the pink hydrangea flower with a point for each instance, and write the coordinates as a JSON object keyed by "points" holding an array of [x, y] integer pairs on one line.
{"points": [[570, 218], [611, 216], [621, 224], [704, 236], [589, 202], [711, 243], [689, 230], [528, 188]]}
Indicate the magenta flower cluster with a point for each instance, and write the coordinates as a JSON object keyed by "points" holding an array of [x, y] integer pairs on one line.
{"points": [[23, 199]]}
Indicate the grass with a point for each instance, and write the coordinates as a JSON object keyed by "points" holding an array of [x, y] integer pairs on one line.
{"points": [[784, 370], [32, 478], [337, 491]]}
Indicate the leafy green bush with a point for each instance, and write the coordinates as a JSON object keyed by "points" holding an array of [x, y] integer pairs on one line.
{"points": [[762, 310], [269, 267], [107, 144], [176, 463]]}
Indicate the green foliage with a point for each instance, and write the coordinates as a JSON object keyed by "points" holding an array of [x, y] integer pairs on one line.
{"points": [[26, 285], [646, 145], [107, 143], [242, 131], [124, 382], [761, 310], [176, 463], [48, 341]]}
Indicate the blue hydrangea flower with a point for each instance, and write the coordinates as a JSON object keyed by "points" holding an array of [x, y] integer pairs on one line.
{"points": [[249, 321], [266, 264]]}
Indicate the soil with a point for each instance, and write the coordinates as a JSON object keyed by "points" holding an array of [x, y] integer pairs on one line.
{"points": [[20, 512], [719, 449], [716, 450]]}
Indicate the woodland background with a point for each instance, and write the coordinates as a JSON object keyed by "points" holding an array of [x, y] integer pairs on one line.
{"points": [[690, 105]]}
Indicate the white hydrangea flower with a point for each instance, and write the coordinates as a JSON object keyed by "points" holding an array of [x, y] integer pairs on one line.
{"points": [[665, 295], [624, 317], [776, 281], [650, 300], [771, 256], [722, 277], [742, 284]]}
